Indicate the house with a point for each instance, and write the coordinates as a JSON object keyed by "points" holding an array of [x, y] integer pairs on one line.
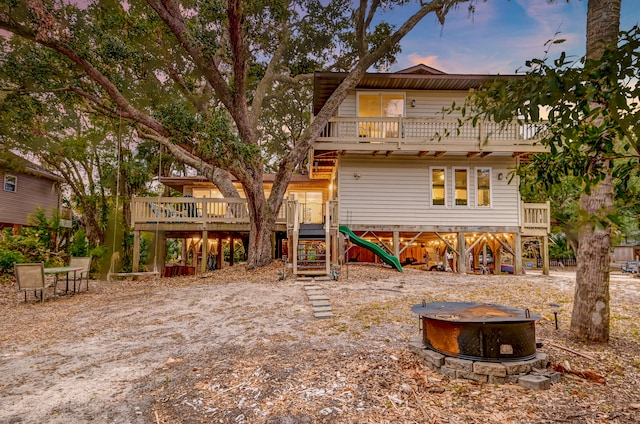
{"points": [[409, 179], [26, 187], [400, 182]]}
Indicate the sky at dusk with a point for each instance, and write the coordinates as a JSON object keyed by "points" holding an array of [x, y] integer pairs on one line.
{"points": [[501, 35]]}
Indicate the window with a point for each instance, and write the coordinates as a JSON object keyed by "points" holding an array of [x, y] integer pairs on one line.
{"points": [[311, 206], [380, 105], [461, 180], [10, 183], [438, 186], [483, 187]]}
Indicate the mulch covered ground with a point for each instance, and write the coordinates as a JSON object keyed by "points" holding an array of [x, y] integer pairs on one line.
{"points": [[237, 346]]}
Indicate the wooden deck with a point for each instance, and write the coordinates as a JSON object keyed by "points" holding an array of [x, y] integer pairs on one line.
{"points": [[196, 214], [190, 213]]}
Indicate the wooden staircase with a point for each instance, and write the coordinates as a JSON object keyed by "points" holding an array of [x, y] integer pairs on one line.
{"points": [[312, 254], [310, 242]]}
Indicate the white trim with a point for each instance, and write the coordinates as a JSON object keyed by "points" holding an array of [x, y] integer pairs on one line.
{"points": [[15, 183], [446, 186], [453, 182], [475, 179]]}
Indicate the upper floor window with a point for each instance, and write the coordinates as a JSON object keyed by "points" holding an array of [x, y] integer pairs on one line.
{"points": [[379, 105], [483, 186], [10, 183], [461, 181], [438, 186]]}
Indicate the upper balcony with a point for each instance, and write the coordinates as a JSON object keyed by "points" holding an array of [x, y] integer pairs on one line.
{"points": [[438, 136]]}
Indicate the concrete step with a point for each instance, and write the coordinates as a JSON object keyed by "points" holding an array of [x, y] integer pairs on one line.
{"points": [[318, 297], [322, 315], [322, 309]]}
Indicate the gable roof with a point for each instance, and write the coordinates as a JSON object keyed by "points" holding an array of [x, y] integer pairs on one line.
{"points": [[13, 163], [421, 69], [419, 77]]}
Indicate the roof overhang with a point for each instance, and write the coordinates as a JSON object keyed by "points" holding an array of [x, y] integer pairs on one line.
{"points": [[325, 83], [178, 183]]}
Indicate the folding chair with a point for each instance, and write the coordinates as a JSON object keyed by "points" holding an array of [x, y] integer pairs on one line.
{"points": [[31, 277], [85, 263]]}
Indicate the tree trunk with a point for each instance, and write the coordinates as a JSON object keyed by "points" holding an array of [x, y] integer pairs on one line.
{"points": [[262, 222], [590, 316]]}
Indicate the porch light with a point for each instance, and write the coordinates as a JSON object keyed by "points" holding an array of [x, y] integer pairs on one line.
{"points": [[413, 103]]}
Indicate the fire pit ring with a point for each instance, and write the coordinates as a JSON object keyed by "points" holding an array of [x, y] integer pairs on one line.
{"points": [[478, 331]]}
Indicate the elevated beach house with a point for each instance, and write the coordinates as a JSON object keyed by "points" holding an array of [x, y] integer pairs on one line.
{"points": [[394, 180]]}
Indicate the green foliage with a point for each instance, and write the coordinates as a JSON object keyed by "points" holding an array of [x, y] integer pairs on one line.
{"points": [[28, 246], [79, 245], [559, 247], [592, 109], [8, 258], [591, 129]]}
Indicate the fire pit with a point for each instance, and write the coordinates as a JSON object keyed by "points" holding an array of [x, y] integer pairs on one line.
{"points": [[478, 331]]}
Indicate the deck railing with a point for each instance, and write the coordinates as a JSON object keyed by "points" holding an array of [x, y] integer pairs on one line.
{"points": [[536, 217], [418, 131], [191, 209]]}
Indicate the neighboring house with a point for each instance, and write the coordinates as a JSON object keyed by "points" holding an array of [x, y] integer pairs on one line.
{"points": [[626, 252], [25, 188], [400, 180]]}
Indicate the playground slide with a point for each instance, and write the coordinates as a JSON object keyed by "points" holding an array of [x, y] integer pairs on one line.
{"points": [[391, 260]]}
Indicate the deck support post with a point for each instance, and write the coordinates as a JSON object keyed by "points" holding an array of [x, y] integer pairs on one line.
{"points": [[545, 255], [396, 244], [462, 256], [232, 250], [135, 266], [220, 250], [497, 257], [205, 251], [517, 260]]}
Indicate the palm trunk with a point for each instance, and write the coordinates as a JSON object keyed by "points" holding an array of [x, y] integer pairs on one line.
{"points": [[590, 316]]}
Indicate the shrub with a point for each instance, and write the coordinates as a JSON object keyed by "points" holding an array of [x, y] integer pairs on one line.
{"points": [[8, 258]]}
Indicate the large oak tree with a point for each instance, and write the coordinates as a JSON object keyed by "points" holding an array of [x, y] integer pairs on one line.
{"points": [[197, 76]]}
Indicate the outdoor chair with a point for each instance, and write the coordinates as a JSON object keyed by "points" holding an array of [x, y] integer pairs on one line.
{"points": [[85, 263], [31, 277]]}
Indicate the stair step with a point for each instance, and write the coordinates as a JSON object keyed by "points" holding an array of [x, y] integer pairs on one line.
{"points": [[311, 227], [318, 297], [322, 309], [312, 287], [322, 315], [320, 303]]}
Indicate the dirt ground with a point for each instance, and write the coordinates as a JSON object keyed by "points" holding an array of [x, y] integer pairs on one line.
{"points": [[234, 346]]}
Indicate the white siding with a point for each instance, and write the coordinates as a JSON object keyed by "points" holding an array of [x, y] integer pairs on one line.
{"points": [[348, 106], [396, 191], [429, 104]]}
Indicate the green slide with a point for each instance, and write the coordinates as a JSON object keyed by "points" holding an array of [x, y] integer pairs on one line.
{"points": [[391, 260]]}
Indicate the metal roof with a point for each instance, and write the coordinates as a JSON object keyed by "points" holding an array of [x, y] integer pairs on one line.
{"points": [[415, 78]]}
